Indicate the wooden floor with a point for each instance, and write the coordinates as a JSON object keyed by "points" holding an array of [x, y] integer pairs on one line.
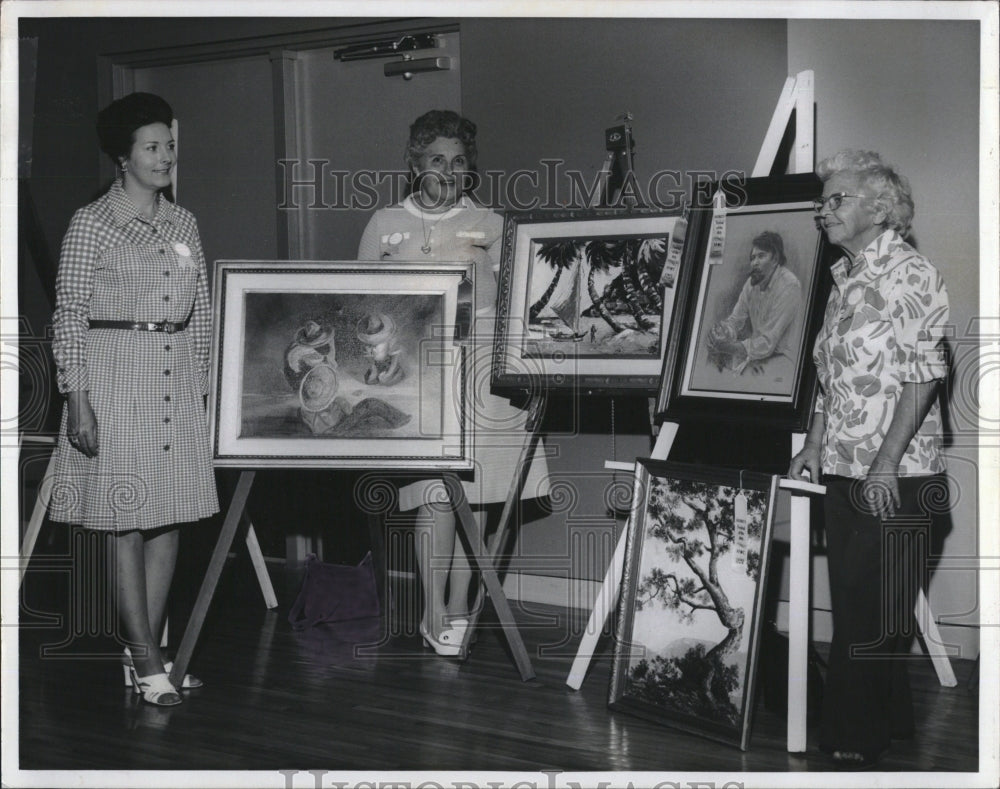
{"points": [[275, 699]]}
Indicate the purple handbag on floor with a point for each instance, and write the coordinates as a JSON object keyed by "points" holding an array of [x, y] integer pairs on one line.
{"points": [[334, 593]]}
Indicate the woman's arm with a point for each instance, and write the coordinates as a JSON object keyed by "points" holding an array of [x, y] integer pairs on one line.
{"points": [[809, 459], [70, 321], [200, 325], [881, 487], [918, 323], [369, 248], [81, 423], [74, 288]]}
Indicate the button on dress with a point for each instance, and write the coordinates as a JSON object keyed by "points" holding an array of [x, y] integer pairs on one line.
{"points": [[154, 465]]}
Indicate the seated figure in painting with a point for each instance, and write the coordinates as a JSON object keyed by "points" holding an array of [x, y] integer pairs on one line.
{"points": [[763, 323], [311, 369], [313, 344], [326, 413], [378, 332]]}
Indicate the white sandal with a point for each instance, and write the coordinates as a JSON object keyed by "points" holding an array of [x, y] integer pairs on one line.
{"points": [[155, 689], [189, 681], [448, 644]]}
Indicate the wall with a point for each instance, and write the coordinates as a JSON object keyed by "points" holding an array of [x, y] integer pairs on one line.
{"points": [[910, 90]]}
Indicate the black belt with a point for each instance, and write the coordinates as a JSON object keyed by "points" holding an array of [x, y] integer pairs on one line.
{"points": [[164, 326]]}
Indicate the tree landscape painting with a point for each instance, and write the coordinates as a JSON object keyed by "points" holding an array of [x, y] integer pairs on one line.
{"points": [[689, 623]]}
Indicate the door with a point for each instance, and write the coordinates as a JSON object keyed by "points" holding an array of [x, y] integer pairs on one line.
{"points": [[348, 115]]}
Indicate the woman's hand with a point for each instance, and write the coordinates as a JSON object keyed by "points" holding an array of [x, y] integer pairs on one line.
{"points": [[81, 424], [809, 459], [806, 463], [880, 490]]}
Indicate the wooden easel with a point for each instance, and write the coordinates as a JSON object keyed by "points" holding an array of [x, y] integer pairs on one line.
{"points": [[797, 95], [483, 557], [618, 161], [235, 515], [487, 556]]}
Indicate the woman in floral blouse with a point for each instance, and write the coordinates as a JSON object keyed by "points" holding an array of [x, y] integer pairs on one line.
{"points": [[876, 439]]}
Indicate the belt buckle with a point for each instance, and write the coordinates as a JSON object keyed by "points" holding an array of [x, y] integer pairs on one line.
{"points": [[167, 327]]}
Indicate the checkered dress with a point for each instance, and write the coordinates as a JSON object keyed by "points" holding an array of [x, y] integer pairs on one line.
{"points": [[153, 466]]}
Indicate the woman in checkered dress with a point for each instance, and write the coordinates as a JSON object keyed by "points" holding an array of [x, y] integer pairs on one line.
{"points": [[132, 332]]}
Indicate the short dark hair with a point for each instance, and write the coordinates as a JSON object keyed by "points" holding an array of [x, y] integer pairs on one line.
{"points": [[117, 123], [441, 123], [769, 241]]}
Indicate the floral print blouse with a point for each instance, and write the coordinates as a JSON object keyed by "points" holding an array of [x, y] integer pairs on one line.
{"points": [[883, 327]]}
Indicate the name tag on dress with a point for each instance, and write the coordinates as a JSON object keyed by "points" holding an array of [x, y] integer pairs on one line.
{"points": [[183, 252]]}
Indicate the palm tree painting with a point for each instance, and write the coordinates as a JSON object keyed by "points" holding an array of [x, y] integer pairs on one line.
{"points": [[601, 293], [695, 598], [560, 255]]}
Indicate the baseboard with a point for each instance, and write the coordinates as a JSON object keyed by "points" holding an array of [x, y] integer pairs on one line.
{"points": [[551, 590], [820, 624]]}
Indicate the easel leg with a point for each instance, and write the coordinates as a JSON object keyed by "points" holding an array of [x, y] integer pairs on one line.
{"points": [[259, 567], [485, 566], [798, 625], [798, 615], [233, 517], [496, 544], [37, 518], [932, 640], [607, 597], [376, 531]]}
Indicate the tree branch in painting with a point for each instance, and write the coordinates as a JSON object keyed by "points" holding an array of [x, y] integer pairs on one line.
{"points": [[696, 523]]}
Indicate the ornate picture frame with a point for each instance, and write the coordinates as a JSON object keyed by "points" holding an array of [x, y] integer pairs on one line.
{"points": [[585, 300], [742, 348], [341, 364], [693, 590]]}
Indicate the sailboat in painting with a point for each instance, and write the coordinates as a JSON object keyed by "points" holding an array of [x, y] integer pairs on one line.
{"points": [[568, 310]]}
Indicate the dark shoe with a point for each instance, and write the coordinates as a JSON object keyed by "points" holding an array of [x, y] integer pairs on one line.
{"points": [[853, 760]]}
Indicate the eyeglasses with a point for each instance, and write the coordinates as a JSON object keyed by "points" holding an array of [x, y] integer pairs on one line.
{"points": [[834, 201]]}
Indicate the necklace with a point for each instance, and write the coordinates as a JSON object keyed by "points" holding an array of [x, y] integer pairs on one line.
{"points": [[426, 247], [426, 230]]}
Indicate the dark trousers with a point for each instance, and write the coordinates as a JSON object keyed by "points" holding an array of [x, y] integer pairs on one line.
{"points": [[876, 569]]}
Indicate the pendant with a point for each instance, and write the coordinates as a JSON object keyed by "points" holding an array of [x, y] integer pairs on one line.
{"points": [[426, 249]]}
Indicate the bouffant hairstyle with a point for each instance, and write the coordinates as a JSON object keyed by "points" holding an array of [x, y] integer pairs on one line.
{"points": [[117, 123], [440, 123], [769, 241], [891, 190]]}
